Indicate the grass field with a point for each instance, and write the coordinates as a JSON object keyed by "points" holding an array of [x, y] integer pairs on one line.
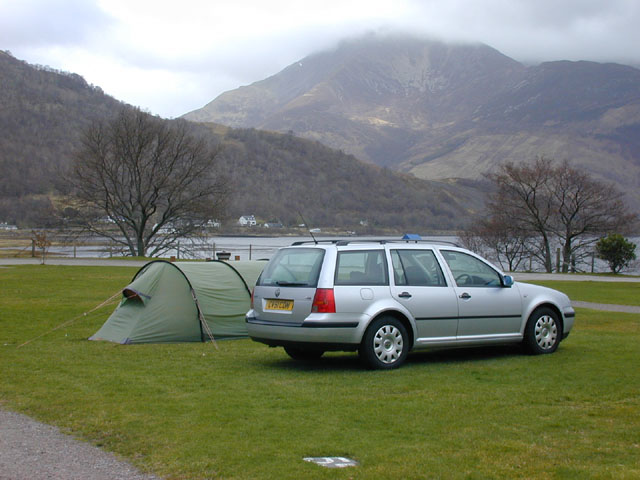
{"points": [[246, 411], [622, 293]]}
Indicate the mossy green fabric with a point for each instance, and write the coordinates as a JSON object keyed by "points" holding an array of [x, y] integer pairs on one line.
{"points": [[162, 302]]}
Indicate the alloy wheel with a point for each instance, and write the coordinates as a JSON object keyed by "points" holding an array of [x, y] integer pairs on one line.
{"points": [[546, 332], [388, 344]]}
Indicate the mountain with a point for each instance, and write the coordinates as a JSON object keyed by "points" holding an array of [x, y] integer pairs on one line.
{"points": [[371, 97], [443, 111], [275, 176]]}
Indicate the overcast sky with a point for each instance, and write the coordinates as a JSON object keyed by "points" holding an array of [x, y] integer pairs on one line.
{"points": [[171, 57]]}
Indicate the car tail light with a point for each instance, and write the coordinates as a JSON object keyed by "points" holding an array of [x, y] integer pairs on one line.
{"points": [[324, 301]]}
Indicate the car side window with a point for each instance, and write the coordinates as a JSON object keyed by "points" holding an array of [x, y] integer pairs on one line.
{"points": [[361, 267], [417, 268], [469, 271]]}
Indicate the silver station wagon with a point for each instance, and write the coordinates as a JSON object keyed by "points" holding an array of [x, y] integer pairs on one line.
{"points": [[385, 298]]}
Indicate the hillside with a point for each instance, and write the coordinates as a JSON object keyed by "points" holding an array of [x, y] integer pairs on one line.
{"points": [[444, 111], [42, 113], [278, 176], [275, 175]]}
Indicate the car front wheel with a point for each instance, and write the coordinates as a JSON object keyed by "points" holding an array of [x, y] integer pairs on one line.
{"points": [[385, 344], [543, 332]]}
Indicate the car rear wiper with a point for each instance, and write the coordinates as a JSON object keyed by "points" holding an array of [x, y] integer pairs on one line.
{"points": [[283, 283]]}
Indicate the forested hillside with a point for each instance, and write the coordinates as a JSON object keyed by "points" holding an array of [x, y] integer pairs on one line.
{"points": [[41, 116], [280, 175], [275, 176]]}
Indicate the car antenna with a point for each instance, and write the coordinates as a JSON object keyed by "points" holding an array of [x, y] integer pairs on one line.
{"points": [[308, 228]]}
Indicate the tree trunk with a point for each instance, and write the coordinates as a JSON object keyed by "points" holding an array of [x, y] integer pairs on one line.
{"points": [[140, 252], [548, 264], [566, 255]]}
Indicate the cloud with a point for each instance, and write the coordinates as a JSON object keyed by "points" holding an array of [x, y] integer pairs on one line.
{"points": [[171, 57], [36, 23], [537, 30]]}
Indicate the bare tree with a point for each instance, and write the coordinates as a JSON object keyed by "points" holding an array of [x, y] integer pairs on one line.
{"points": [[524, 201], [496, 239], [42, 241], [543, 203], [585, 209], [147, 182]]}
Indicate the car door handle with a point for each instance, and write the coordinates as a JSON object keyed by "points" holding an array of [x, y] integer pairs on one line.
{"points": [[405, 295], [465, 296]]}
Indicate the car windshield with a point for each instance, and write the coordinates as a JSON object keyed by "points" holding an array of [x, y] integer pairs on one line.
{"points": [[293, 267]]}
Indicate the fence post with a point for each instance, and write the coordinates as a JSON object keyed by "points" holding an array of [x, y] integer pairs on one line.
{"points": [[558, 260], [249, 251], [593, 261], [33, 248], [178, 251]]}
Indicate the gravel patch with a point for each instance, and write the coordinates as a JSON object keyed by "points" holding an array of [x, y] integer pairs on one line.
{"points": [[31, 450]]}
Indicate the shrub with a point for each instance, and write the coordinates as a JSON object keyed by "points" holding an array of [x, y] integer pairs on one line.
{"points": [[617, 251]]}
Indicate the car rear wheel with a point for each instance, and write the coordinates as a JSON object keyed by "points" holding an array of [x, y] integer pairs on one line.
{"points": [[385, 344], [303, 354], [543, 332]]}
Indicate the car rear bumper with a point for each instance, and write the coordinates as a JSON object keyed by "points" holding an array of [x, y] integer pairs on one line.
{"points": [[339, 333]]}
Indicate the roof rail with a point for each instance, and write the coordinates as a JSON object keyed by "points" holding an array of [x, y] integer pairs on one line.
{"points": [[382, 241], [305, 242]]}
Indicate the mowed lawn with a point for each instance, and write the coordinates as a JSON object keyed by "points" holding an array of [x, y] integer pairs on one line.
{"points": [[245, 411], [622, 293]]}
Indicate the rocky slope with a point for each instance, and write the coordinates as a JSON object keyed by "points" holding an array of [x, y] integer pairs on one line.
{"points": [[449, 111]]}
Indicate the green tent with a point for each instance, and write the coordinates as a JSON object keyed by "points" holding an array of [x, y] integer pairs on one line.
{"points": [[183, 302]]}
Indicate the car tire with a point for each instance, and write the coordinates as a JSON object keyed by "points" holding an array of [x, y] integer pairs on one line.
{"points": [[385, 344], [303, 354], [543, 332]]}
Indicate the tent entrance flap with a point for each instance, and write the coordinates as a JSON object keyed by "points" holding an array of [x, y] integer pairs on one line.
{"points": [[131, 294], [166, 301]]}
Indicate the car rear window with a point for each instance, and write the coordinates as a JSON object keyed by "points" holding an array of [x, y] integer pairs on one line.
{"points": [[293, 267]]}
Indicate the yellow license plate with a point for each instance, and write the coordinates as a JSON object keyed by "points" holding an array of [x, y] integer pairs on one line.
{"points": [[273, 304]]}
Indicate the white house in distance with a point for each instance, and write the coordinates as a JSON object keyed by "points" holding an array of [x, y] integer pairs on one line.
{"points": [[247, 221], [6, 226]]}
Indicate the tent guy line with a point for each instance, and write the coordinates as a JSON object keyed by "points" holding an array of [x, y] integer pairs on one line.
{"points": [[108, 301]]}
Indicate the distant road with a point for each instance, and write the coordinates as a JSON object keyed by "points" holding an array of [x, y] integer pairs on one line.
{"points": [[564, 277], [98, 262], [84, 262]]}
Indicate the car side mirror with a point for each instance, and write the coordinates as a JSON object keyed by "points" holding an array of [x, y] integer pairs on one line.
{"points": [[507, 281]]}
